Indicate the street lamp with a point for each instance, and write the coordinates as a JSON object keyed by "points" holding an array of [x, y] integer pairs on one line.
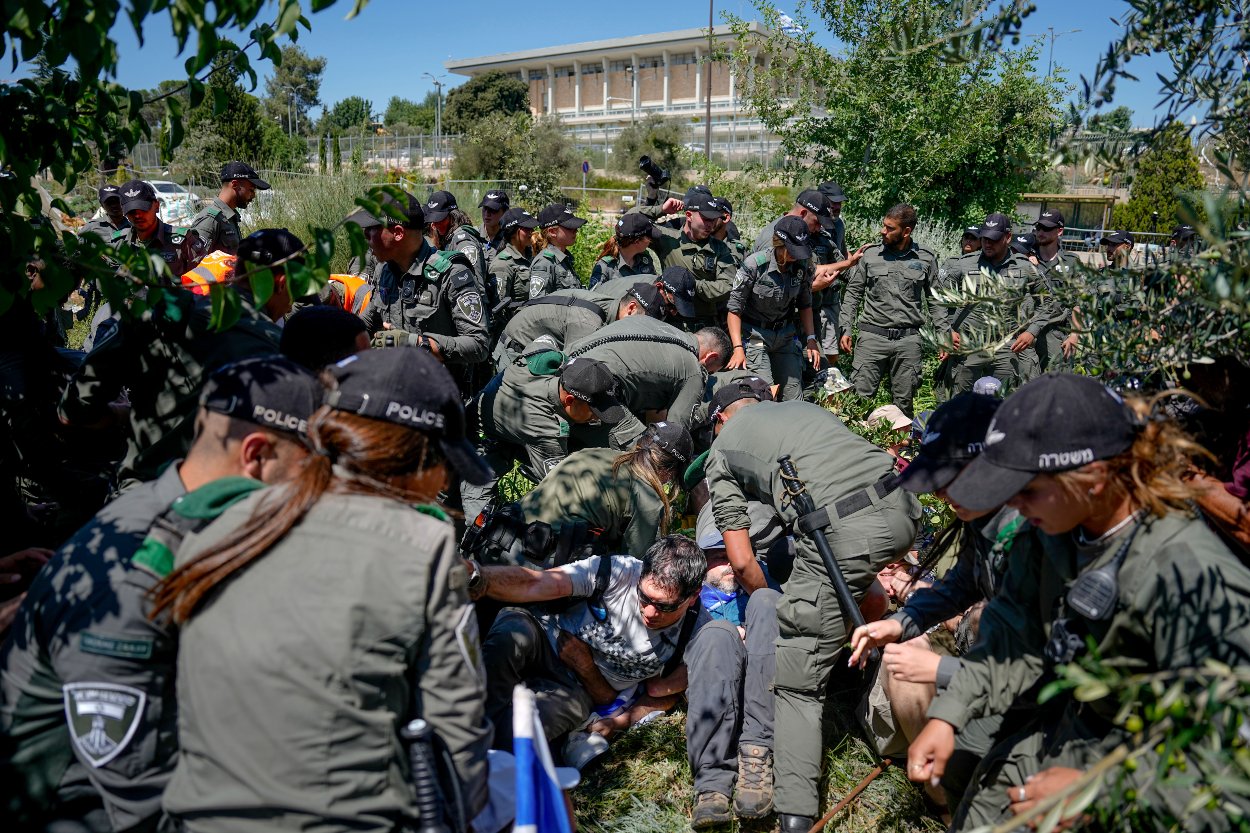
{"points": [[292, 107], [438, 115]]}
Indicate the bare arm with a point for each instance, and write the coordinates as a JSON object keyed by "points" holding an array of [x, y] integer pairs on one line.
{"points": [[520, 584], [1228, 511], [575, 653], [742, 559]]}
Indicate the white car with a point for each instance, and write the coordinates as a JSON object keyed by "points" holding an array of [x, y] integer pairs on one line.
{"points": [[178, 205]]}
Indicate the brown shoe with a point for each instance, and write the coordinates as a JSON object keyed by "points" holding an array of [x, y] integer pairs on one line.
{"points": [[711, 809], [754, 796]]}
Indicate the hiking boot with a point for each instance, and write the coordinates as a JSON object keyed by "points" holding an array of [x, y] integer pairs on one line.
{"points": [[795, 824], [711, 809], [754, 797]]}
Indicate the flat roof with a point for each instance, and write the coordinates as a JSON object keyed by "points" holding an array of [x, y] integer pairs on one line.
{"points": [[658, 41]]}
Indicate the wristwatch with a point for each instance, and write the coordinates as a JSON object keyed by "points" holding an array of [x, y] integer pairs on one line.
{"points": [[477, 581]]}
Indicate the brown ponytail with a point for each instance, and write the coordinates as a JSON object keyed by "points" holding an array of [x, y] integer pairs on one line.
{"points": [[609, 248], [353, 454], [657, 468]]}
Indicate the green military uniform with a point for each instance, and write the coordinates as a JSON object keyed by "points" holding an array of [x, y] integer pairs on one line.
{"points": [[218, 226], [1182, 598], [829, 247], [521, 419], [585, 488], [103, 228], [469, 242], [180, 248], [657, 367], [1050, 343], [566, 315], [712, 262], [494, 245], [82, 639], [294, 680], [163, 359], [767, 298], [437, 296], [738, 249], [1035, 313], [611, 267], [871, 523], [510, 272], [894, 287], [552, 269]]}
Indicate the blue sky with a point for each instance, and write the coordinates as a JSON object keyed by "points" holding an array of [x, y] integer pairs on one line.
{"points": [[386, 50]]}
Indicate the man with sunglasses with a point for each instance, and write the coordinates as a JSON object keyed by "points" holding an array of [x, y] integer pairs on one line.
{"points": [[610, 641]]}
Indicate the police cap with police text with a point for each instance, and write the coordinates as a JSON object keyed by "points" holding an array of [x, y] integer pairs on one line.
{"points": [[242, 170], [269, 391], [1054, 423], [679, 282], [558, 214], [633, 224], [793, 233], [995, 227], [706, 205], [647, 295], [749, 387], [439, 205], [593, 382], [109, 192], [413, 389], [137, 194], [515, 218], [696, 190], [671, 437], [815, 202], [496, 200], [953, 436]]}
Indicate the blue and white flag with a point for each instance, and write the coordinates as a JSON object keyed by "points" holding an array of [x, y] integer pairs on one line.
{"points": [[788, 26], [540, 806]]}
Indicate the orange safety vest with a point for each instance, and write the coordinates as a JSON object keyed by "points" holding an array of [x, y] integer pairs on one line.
{"points": [[350, 289], [217, 267]]}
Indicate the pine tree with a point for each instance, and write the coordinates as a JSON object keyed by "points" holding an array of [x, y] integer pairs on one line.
{"points": [[1166, 169]]}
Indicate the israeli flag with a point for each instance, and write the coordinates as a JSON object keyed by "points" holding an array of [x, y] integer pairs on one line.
{"points": [[788, 26], [540, 804]]}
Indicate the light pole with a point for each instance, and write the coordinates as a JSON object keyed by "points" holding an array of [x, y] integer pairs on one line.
{"points": [[707, 91], [292, 106], [438, 116], [1050, 68]]}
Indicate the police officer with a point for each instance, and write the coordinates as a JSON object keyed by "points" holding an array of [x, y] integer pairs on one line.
{"points": [[1017, 362], [1058, 342], [771, 288], [694, 247], [893, 278], [628, 496], [811, 207], [180, 248], [1118, 249], [451, 229], [396, 636], [662, 372], [87, 681], [114, 219], [162, 359], [868, 522], [494, 204], [552, 267], [524, 414], [218, 224], [944, 375], [831, 262], [510, 268], [624, 254], [1103, 479], [424, 298], [568, 315]]}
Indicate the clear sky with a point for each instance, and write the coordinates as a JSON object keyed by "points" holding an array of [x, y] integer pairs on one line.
{"points": [[389, 47]]}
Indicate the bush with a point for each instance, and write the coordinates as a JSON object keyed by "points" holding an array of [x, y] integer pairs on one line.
{"points": [[303, 203], [655, 136]]}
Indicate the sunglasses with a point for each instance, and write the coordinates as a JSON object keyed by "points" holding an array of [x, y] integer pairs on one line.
{"points": [[662, 607]]}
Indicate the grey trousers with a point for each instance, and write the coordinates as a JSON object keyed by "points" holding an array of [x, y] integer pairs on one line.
{"points": [[517, 651], [730, 693]]}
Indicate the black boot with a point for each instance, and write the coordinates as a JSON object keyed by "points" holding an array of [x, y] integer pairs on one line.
{"points": [[795, 824]]}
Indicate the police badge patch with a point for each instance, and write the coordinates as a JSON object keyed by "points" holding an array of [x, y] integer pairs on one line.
{"points": [[470, 304], [709, 263], [469, 250], [102, 718]]}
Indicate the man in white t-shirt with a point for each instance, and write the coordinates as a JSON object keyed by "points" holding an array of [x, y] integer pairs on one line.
{"points": [[621, 630]]}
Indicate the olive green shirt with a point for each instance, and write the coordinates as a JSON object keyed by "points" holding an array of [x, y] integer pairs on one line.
{"points": [[550, 270], [611, 267], [584, 488], [522, 410], [712, 263], [568, 319], [1036, 310], [510, 269], [766, 293], [180, 248], [894, 287], [218, 226]]}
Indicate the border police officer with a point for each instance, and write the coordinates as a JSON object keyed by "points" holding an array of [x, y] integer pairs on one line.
{"points": [[552, 268], [218, 224]]}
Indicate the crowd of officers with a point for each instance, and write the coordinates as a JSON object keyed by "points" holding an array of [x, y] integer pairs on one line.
{"points": [[234, 641]]}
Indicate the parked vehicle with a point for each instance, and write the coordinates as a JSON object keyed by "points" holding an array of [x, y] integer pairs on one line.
{"points": [[178, 205]]}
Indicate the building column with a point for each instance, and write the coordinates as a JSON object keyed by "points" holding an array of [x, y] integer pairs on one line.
{"points": [[577, 87], [551, 91], [698, 74], [668, 99], [633, 83], [606, 88]]}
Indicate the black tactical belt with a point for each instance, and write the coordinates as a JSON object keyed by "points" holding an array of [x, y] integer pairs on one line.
{"points": [[848, 505], [892, 333], [760, 324]]}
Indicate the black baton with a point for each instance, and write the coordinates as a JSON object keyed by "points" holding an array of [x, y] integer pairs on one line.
{"points": [[417, 734], [796, 490]]}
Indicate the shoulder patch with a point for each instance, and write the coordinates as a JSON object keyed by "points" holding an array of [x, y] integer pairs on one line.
{"points": [[504, 256], [117, 235], [609, 260], [761, 258], [550, 255], [102, 718], [432, 510], [213, 211]]}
